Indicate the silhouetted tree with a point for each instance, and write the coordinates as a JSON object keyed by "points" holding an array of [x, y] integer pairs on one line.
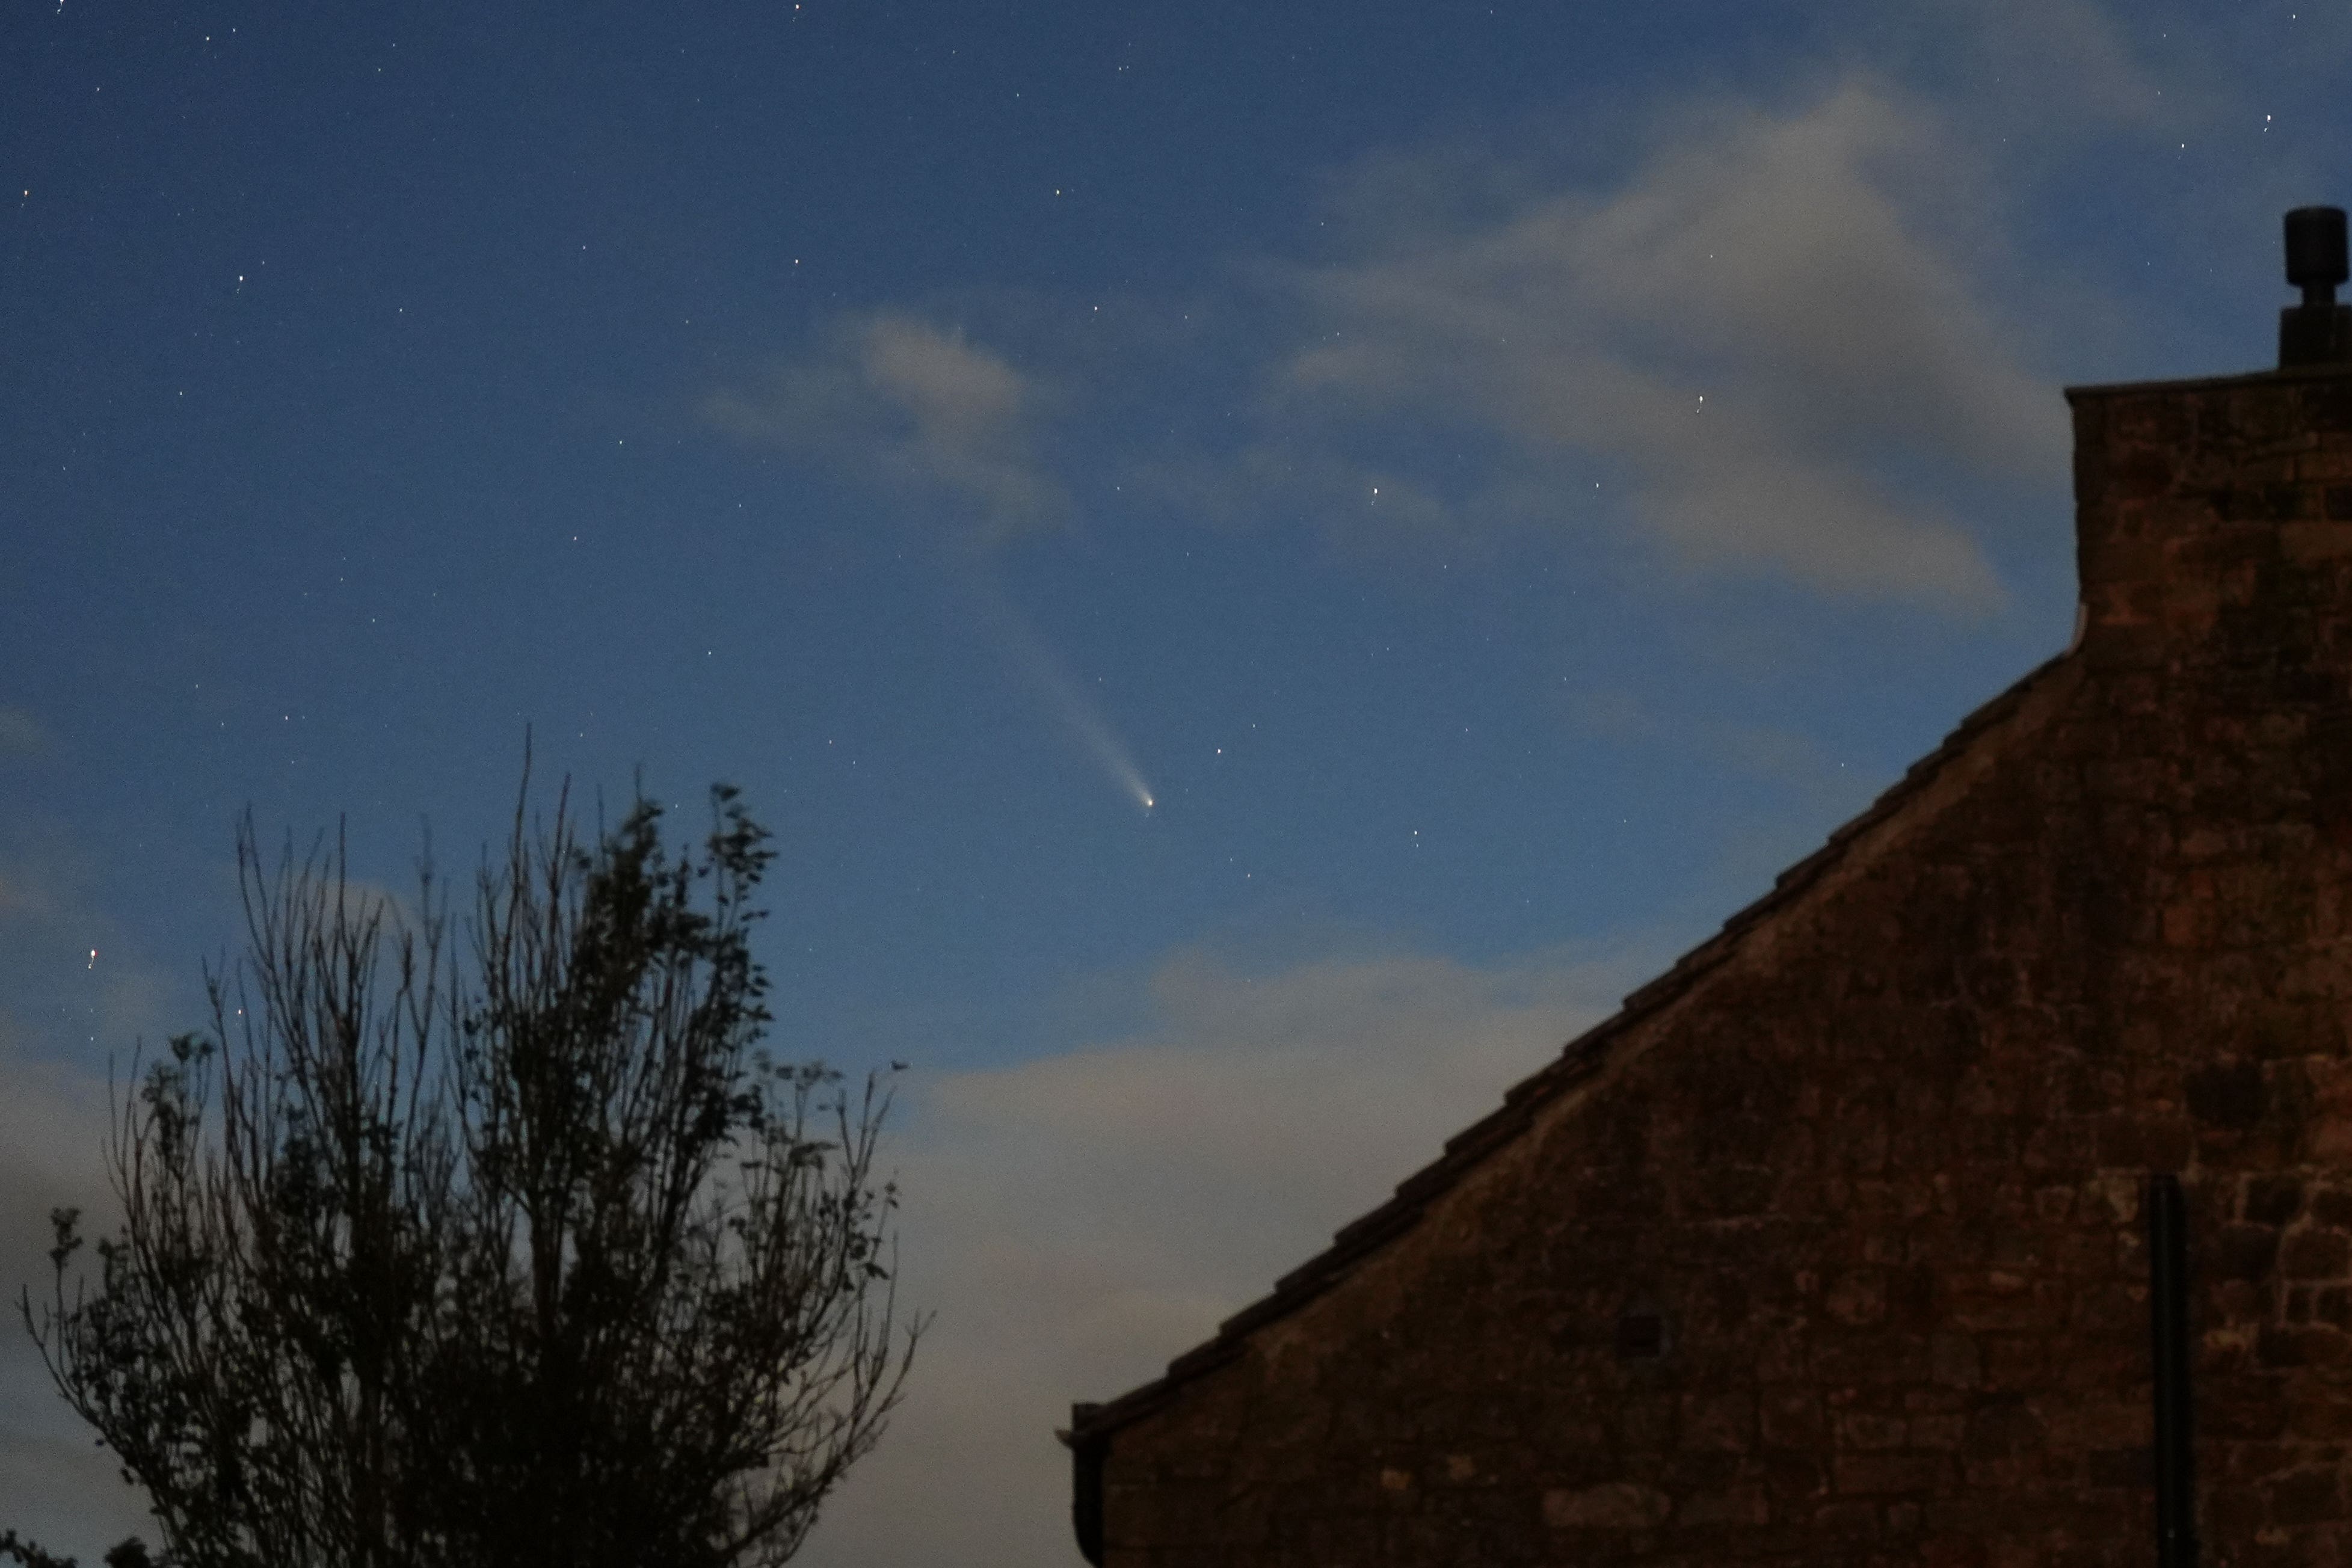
{"points": [[515, 1251], [129, 1553]]}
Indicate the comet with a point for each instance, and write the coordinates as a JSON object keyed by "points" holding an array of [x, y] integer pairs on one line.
{"points": [[1070, 704]]}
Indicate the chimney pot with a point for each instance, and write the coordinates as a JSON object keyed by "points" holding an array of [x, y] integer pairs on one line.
{"points": [[2315, 253], [2319, 331]]}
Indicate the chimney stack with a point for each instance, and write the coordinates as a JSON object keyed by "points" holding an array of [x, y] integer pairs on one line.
{"points": [[2213, 517], [2319, 331]]}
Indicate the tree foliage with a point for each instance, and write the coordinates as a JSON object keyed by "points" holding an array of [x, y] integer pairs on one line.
{"points": [[507, 1248]]}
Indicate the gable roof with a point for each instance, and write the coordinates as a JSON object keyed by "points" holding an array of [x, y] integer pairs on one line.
{"points": [[1580, 1060]]}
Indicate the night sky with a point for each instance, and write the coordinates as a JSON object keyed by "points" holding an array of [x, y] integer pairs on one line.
{"points": [[1264, 563]]}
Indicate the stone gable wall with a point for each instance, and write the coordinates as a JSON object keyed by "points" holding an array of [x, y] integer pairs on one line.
{"points": [[1878, 1175]]}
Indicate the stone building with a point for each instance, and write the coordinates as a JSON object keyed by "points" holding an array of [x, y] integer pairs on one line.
{"points": [[1833, 1246]]}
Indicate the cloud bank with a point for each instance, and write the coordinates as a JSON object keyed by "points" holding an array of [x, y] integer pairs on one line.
{"points": [[58, 1487], [54, 1485]]}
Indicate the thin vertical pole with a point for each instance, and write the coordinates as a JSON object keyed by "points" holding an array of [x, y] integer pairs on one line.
{"points": [[2168, 1310]]}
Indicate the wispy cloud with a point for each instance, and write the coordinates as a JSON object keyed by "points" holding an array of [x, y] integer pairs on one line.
{"points": [[22, 735], [1787, 325], [902, 402], [1080, 1219], [1787, 759], [2037, 66], [1754, 329], [1773, 337]]}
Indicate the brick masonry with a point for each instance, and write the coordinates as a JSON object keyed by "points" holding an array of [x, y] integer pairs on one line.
{"points": [[1828, 1249]]}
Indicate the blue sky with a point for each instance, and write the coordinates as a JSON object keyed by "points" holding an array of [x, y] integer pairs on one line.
{"points": [[1503, 480]]}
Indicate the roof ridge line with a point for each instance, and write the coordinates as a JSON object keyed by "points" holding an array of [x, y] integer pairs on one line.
{"points": [[1581, 1058]]}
